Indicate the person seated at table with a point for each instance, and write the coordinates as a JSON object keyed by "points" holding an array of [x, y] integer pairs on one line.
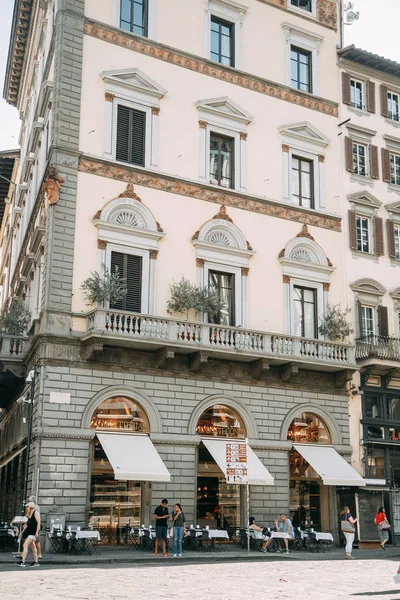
{"points": [[284, 526], [253, 525]]}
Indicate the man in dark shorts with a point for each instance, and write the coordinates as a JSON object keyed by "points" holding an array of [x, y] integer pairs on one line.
{"points": [[161, 517]]}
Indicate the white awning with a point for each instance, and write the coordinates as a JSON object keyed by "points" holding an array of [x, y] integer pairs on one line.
{"points": [[331, 467], [133, 457], [258, 474]]}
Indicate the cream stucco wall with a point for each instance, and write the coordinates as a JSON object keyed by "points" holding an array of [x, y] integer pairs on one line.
{"points": [[182, 25]]}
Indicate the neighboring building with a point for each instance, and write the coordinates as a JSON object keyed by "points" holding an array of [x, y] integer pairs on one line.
{"points": [[371, 169], [168, 147]]}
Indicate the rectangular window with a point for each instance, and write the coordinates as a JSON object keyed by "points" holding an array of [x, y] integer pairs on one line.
{"points": [[302, 182], [300, 68], [356, 93], [224, 284], [363, 227], [396, 230], [304, 4], [222, 42], [359, 159], [305, 312], [372, 409], [393, 106], [131, 130], [394, 409], [134, 16], [367, 322], [395, 169], [221, 160], [129, 268]]}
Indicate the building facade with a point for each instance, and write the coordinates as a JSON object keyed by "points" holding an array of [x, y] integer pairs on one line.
{"points": [[371, 179], [159, 153]]}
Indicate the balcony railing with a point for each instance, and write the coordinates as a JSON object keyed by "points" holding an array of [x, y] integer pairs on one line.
{"points": [[379, 347], [12, 348], [194, 336]]}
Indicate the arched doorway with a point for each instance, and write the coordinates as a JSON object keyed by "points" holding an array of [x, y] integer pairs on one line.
{"points": [[309, 498], [115, 503], [218, 504]]}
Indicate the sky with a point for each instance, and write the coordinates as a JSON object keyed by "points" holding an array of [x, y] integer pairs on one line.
{"points": [[375, 31]]}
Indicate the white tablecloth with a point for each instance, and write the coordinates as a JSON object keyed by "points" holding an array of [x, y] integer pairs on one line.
{"points": [[323, 536], [214, 533], [88, 535], [280, 534]]}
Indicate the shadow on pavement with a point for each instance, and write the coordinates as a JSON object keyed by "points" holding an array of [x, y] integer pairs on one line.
{"points": [[383, 593]]}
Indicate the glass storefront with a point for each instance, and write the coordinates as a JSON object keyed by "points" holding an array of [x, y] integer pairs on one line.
{"points": [[308, 496], [218, 503], [115, 504]]}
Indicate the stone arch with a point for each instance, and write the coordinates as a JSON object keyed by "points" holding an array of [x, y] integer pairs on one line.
{"points": [[306, 251], [221, 231], [248, 420], [368, 286], [131, 394], [334, 430]]}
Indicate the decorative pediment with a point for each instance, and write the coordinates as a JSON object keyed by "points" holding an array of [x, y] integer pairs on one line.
{"points": [[222, 232], [305, 132], [368, 286], [133, 80], [364, 198], [302, 254], [226, 108], [393, 208]]}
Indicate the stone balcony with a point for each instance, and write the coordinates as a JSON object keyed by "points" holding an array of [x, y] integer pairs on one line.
{"points": [[12, 368], [378, 349], [151, 333], [12, 348]]}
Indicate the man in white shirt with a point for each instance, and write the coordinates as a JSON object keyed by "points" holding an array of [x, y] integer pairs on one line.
{"points": [[37, 509]]}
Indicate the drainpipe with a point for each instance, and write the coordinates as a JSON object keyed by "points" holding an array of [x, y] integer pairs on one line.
{"points": [[31, 379]]}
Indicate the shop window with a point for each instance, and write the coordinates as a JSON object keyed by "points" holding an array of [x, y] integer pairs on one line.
{"points": [[221, 421], [120, 413], [372, 407], [375, 467], [394, 409], [308, 428], [305, 504]]}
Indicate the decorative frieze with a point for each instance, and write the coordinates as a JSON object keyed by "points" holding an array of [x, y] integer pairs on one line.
{"points": [[206, 67], [326, 11], [203, 192]]}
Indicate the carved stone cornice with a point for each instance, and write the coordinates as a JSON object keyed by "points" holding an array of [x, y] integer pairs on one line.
{"points": [[200, 262], [207, 67], [203, 124], [109, 97], [155, 111], [101, 244], [97, 166], [153, 254], [63, 433]]}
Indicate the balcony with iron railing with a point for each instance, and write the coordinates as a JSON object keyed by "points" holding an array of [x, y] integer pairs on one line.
{"points": [[119, 328], [378, 348]]}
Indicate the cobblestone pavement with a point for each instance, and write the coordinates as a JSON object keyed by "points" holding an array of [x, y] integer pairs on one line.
{"points": [[311, 580]]}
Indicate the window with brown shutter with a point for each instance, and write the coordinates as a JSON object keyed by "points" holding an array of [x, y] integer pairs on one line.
{"points": [[384, 100], [131, 130], [386, 165], [353, 230], [346, 97], [391, 242], [373, 153], [370, 96], [348, 148], [129, 268], [383, 321], [378, 235]]}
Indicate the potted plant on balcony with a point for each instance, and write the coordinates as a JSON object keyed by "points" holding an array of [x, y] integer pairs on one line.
{"points": [[15, 321], [185, 296], [105, 288], [334, 324]]}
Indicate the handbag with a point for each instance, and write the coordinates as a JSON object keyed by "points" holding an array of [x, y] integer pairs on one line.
{"points": [[347, 527], [385, 526]]}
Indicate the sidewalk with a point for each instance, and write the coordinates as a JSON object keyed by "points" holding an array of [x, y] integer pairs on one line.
{"points": [[127, 555]]}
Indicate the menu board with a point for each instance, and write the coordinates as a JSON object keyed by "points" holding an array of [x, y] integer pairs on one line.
{"points": [[367, 507], [236, 463]]}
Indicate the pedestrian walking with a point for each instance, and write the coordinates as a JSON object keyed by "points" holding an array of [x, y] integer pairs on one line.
{"points": [[30, 533], [37, 510], [347, 526], [178, 527], [161, 516], [383, 526]]}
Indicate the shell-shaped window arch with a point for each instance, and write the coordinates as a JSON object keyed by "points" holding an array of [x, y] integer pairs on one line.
{"points": [[305, 251], [130, 213], [222, 233]]}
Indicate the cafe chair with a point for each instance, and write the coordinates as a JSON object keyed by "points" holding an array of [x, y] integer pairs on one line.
{"points": [[204, 542]]}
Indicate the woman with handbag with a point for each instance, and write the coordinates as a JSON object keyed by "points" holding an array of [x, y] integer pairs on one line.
{"points": [[383, 526], [347, 526]]}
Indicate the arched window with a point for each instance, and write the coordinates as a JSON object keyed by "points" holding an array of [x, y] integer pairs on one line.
{"points": [[307, 428], [221, 421], [120, 413]]}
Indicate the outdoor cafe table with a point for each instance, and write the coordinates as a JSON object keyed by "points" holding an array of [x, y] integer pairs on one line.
{"points": [[281, 535]]}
